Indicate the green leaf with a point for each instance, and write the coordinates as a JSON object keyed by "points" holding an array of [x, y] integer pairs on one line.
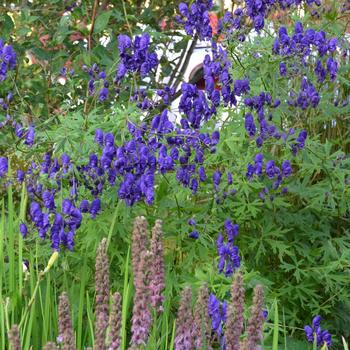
{"points": [[6, 26], [345, 344], [102, 21]]}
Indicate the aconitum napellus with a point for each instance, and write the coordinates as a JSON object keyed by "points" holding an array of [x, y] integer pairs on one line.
{"points": [[195, 18], [229, 259], [135, 56], [3, 166], [217, 311], [315, 332]]}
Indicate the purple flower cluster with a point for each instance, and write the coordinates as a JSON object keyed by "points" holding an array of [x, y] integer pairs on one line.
{"points": [[166, 94], [142, 100], [229, 259], [315, 332], [217, 312], [61, 221], [194, 233], [299, 143], [272, 171], [135, 56], [218, 67], [62, 226], [308, 96], [195, 18], [231, 23], [4, 102], [27, 134], [155, 146], [256, 11], [161, 147], [8, 59], [97, 79], [304, 44], [266, 130], [194, 104], [3, 166]]}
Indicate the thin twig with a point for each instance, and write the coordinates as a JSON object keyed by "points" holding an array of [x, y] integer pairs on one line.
{"points": [[186, 61], [126, 18], [94, 13]]}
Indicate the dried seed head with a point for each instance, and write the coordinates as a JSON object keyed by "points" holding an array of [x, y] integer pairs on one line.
{"points": [[115, 323], [202, 329], [235, 317], [184, 338], [140, 241], [14, 338], [66, 334], [141, 316], [256, 321], [157, 284]]}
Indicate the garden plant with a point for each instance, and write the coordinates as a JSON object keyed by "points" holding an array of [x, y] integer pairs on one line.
{"points": [[140, 209]]}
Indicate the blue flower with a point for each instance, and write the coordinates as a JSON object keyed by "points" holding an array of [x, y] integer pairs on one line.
{"points": [[229, 178], [95, 207], [217, 177], [197, 18], [135, 56], [30, 136], [286, 168], [194, 234], [124, 43], [192, 222], [229, 259], [103, 94], [84, 206], [202, 174], [283, 69], [250, 125], [217, 311], [259, 22], [20, 175], [315, 332], [3, 166], [23, 230]]}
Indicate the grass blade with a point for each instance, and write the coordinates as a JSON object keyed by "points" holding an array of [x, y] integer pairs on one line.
{"points": [[345, 344], [275, 328], [125, 302]]}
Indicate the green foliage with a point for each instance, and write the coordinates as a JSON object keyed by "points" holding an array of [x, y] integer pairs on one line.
{"points": [[297, 245]]}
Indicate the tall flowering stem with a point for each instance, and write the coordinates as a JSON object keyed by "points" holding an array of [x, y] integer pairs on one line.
{"points": [[66, 333], [184, 338], [14, 338], [202, 330], [141, 316], [139, 241], [235, 317], [102, 295], [115, 323], [256, 321], [157, 270]]}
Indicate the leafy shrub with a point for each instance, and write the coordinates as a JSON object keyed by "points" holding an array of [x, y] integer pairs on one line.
{"points": [[264, 146]]}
